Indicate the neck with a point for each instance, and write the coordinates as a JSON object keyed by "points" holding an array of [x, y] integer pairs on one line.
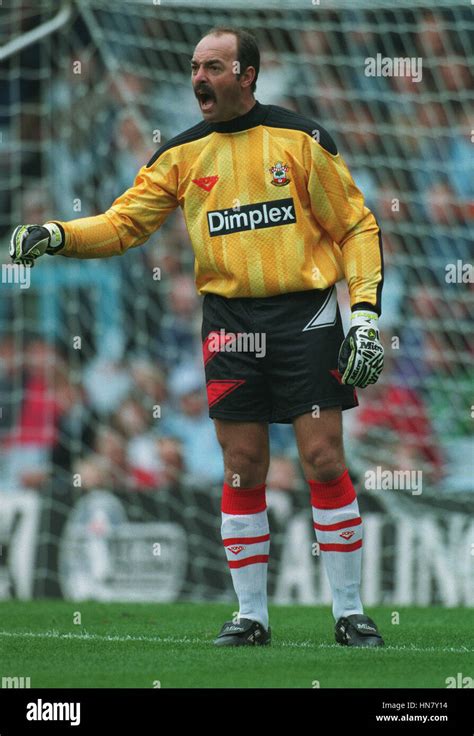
{"points": [[244, 107], [254, 115]]}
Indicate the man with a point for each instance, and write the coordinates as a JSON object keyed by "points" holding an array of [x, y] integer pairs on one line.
{"points": [[275, 220]]}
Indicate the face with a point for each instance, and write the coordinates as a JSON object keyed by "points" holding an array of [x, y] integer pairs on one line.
{"points": [[220, 94]]}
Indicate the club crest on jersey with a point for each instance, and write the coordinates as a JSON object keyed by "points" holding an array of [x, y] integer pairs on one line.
{"points": [[279, 171]]}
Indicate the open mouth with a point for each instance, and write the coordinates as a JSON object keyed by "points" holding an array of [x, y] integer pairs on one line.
{"points": [[206, 100]]}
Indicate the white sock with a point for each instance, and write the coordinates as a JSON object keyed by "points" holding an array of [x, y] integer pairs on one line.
{"points": [[246, 539], [339, 534]]}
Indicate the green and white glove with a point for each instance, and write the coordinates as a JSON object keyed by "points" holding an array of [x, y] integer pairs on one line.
{"points": [[361, 353], [29, 242]]}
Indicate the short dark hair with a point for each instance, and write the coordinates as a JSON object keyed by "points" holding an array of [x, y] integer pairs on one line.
{"points": [[247, 49]]}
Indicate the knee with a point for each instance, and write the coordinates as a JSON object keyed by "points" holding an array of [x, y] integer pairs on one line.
{"points": [[245, 466], [324, 458]]}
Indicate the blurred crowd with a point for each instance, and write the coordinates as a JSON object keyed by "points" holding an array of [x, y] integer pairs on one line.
{"points": [[124, 423], [129, 410]]}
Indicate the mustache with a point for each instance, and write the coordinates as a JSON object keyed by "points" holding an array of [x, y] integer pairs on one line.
{"points": [[204, 89]]}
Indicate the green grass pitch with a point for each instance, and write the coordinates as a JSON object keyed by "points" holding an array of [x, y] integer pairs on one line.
{"points": [[137, 645]]}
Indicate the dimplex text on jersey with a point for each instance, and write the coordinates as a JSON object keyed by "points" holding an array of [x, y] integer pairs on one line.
{"points": [[252, 217]]}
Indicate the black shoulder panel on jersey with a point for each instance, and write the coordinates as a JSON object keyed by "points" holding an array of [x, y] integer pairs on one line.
{"points": [[279, 117], [191, 134]]}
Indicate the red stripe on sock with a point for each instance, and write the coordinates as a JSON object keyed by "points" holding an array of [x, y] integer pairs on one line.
{"points": [[243, 500], [248, 561], [340, 525], [332, 494], [245, 540], [340, 547]]}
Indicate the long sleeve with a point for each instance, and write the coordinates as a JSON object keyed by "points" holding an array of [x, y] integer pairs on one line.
{"points": [[131, 219], [338, 205]]}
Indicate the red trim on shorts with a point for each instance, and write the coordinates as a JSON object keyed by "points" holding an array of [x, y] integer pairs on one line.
{"points": [[223, 340], [217, 390]]}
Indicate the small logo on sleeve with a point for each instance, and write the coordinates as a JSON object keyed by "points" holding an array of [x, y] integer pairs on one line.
{"points": [[206, 182]]}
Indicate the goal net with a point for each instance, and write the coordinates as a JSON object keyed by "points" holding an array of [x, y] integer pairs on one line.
{"points": [[110, 473]]}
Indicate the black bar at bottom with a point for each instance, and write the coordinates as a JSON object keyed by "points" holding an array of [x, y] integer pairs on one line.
{"points": [[142, 712]]}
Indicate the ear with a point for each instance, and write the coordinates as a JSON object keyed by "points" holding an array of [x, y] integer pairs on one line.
{"points": [[247, 77]]}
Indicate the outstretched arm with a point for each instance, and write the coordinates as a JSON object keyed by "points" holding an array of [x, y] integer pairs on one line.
{"points": [[129, 222]]}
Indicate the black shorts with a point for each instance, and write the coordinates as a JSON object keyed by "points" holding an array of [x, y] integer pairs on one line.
{"points": [[271, 359]]}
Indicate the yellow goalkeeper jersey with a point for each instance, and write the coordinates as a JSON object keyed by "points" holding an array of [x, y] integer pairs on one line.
{"points": [[269, 204]]}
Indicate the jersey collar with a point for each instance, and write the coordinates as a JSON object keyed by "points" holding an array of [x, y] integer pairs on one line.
{"points": [[255, 116]]}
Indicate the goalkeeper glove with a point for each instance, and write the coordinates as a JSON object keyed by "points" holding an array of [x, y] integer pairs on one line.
{"points": [[29, 242], [361, 353]]}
